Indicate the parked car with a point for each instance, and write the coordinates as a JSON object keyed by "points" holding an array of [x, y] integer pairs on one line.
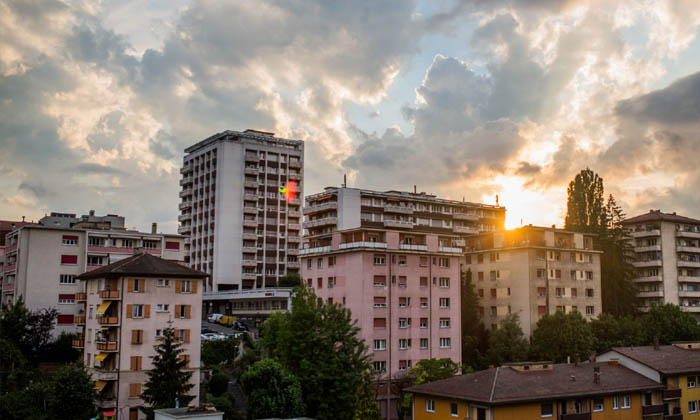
{"points": [[239, 326], [214, 317], [207, 330], [213, 336]]}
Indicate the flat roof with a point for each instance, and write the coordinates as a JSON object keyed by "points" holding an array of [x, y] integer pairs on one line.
{"points": [[252, 134]]}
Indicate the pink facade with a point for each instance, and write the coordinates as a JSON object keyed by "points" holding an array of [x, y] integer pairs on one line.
{"points": [[405, 297]]}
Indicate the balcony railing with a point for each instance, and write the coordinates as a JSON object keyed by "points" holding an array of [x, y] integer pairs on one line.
{"points": [[109, 294], [465, 229], [79, 319], [413, 247], [328, 205], [320, 222], [465, 216], [671, 394], [107, 345], [398, 223], [649, 410], [78, 342], [80, 296], [390, 208], [107, 320]]}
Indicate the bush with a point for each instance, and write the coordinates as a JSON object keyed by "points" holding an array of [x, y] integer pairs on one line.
{"points": [[219, 352], [226, 403], [218, 384]]}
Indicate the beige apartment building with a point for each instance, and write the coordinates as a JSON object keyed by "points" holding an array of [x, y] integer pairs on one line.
{"points": [[533, 271], [42, 261], [667, 259], [127, 305]]}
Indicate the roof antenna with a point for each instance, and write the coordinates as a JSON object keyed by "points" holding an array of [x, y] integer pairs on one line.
{"points": [[415, 190], [496, 199], [345, 180]]}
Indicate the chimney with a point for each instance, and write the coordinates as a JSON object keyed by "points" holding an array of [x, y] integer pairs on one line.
{"points": [[415, 189], [23, 218], [154, 227], [92, 212], [656, 342], [596, 375]]}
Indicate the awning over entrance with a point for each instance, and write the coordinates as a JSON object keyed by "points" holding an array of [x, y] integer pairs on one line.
{"points": [[103, 307]]}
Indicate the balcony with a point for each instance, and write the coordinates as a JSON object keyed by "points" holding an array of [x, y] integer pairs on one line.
{"points": [[79, 319], [185, 205], [318, 250], [248, 276], [79, 342], [295, 239], [8, 287], [402, 224], [329, 205], [649, 263], [459, 242], [108, 320], [186, 192], [465, 216], [250, 236], [186, 169], [293, 163], [686, 234], [390, 208], [575, 416], [109, 294], [184, 230], [105, 374], [292, 264], [693, 264], [10, 267], [688, 249], [294, 226], [185, 181], [688, 279], [295, 177], [250, 210], [80, 297], [250, 223], [656, 293], [251, 171], [651, 279], [412, 247], [465, 229], [671, 394], [252, 157], [690, 294], [250, 249], [651, 410], [250, 184], [293, 251], [249, 263], [294, 213], [320, 222], [673, 417], [184, 217], [647, 248], [109, 401], [107, 345], [450, 249], [645, 233], [250, 197]]}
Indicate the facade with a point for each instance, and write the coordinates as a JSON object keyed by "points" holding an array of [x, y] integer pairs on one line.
{"points": [[676, 367], [585, 391], [533, 271], [241, 209], [127, 305], [667, 258], [42, 263]]}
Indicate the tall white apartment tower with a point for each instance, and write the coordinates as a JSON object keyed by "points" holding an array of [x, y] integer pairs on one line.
{"points": [[243, 229]]}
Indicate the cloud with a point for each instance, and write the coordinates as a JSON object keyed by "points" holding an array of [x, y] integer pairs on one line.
{"points": [[93, 168]]}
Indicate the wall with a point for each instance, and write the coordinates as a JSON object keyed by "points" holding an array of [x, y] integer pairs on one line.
{"points": [[228, 227], [632, 413], [688, 394], [669, 258], [442, 409]]}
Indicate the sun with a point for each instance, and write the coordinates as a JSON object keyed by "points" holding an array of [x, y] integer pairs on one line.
{"points": [[526, 206]]}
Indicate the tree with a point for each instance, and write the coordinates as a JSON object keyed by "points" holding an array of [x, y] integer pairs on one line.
{"points": [[289, 280], [271, 391], [167, 381], [220, 352], [73, 393], [585, 207], [611, 331], [60, 350], [427, 370], [562, 335], [226, 403], [475, 336], [218, 384], [367, 408], [319, 344], [29, 331], [669, 323], [508, 343]]}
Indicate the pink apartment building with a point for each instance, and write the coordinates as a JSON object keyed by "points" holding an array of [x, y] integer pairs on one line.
{"points": [[404, 293]]}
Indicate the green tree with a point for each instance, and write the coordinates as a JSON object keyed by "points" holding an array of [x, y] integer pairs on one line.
{"points": [[428, 370], [28, 403], [290, 280], [220, 352], [218, 384], [73, 393], [319, 344], [226, 403], [585, 207], [367, 408], [669, 323], [60, 350], [167, 381], [611, 331], [29, 331], [475, 337], [271, 391], [562, 335], [508, 343]]}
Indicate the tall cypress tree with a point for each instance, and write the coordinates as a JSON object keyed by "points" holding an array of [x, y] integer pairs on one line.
{"points": [[167, 381], [585, 207]]}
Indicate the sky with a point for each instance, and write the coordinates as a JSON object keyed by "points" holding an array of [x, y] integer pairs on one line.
{"points": [[478, 100]]}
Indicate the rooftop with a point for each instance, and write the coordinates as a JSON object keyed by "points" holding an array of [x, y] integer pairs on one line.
{"points": [[668, 360], [143, 265], [508, 384], [188, 412], [250, 134], [659, 216]]}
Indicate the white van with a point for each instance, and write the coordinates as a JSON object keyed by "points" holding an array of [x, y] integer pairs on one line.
{"points": [[214, 317]]}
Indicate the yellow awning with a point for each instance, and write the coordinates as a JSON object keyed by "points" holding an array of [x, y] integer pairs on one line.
{"points": [[103, 307], [100, 357], [100, 385]]}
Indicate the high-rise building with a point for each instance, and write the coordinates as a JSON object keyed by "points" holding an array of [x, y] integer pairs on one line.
{"points": [[43, 260], [533, 271], [667, 259], [126, 307]]}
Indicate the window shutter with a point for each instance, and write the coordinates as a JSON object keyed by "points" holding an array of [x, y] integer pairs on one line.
{"points": [[177, 311], [188, 312], [194, 285], [178, 286], [129, 310], [146, 311], [134, 362], [140, 360], [134, 390], [187, 336], [134, 337], [131, 285], [143, 285]]}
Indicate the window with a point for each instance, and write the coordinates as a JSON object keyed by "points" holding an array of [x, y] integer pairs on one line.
{"points": [[70, 240], [379, 366], [162, 307], [445, 342], [480, 258], [308, 264], [493, 275], [692, 381], [574, 292], [319, 263], [175, 246], [626, 401], [66, 279], [69, 259], [444, 322], [444, 302], [380, 302], [540, 273], [430, 406], [480, 276], [404, 343], [66, 299], [541, 291], [493, 293], [424, 302], [163, 283], [183, 336], [692, 406], [546, 410], [481, 293], [136, 362], [404, 302], [589, 292], [424, 343], [319, 282], [423, 261], [541, 310], [379, 322], [134, 390], [93, 241], [402, 261], [183, 311], [379, 345], [186, 286], [424, 322], [468, 259], [444, 262], [598, 404], [423, 282], [454, 411], [559, 291], [137, 311], [590, 310], [159, 333], [331, 261], [136, 336], [403, 282], [615, 403], [589, 275], [494, 256], [138, 285], [444, 282], [379, 259], [404, 322], [380, 281], [94, 260]]}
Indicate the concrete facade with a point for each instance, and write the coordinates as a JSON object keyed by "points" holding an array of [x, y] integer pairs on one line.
{"points": [[667, 257], [532, 271], [41, 263]]}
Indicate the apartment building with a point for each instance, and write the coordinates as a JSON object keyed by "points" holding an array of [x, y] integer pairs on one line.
{"points": [[340, 209], [126, 307], [403, 289], [667, 258], [523, 391], [241, 209], [43, 261], [533, 271], [676, 367]]}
